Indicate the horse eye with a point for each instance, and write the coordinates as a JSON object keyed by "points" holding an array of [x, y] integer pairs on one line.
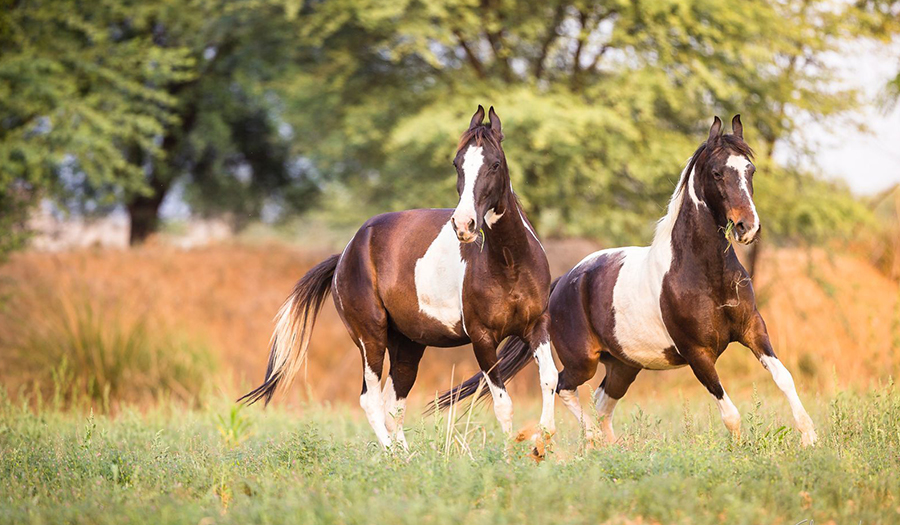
{"points": [[496, 165], [717, 175]]}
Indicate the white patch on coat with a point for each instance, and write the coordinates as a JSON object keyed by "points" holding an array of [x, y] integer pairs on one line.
{"points": [[740, 164], [372, 403], [549, 376], [439, 278], [639, 327], [594, 256], [472, 162], [502, 405], [491, 217], [730, 415], [785, 383], [692, 191], [394, 412]]}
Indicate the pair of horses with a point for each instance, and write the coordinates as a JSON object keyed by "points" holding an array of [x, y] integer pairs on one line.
{"points": [[478, 274]]}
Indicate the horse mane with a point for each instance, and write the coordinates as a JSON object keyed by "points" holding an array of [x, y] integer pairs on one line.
{"points": [[481, 134], [667, 223]]}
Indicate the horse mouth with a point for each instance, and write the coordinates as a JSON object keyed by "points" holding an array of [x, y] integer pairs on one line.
{"points": [[466, 238]]}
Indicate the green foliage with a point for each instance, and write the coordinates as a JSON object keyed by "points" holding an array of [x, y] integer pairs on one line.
{"points": [[78, 86], [601, 102], [243, 104], [675, 464], [796, 206]]}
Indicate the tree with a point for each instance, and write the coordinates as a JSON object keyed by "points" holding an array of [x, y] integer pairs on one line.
{"points": [[74, 92], [601, 101]]}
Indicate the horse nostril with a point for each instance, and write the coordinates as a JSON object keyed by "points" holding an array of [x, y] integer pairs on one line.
{"points": [[471, 225], [740, 228]]}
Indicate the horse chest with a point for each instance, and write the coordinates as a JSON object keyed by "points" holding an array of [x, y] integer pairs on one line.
{"points": [[639, 327], [439, 276]]}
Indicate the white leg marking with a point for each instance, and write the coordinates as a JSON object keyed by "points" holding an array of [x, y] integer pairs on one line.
{"points": [[570, 399], [502, 405], [605, 406], [394, 411], [785, 382], [372, 403], [549, 377], [730, 415]]}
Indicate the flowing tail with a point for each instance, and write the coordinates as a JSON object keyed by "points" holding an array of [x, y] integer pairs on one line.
{"points": [[293, 328], [513, 356]]}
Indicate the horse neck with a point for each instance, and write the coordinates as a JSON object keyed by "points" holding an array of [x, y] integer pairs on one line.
{"points": [[698, 242], [507, 241], [689, 239]]}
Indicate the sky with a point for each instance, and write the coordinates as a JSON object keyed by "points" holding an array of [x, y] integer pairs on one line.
{"points": [[868, 160]]}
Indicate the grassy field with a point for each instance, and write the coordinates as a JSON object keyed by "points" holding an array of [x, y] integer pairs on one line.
{"points": [[674, 463]]}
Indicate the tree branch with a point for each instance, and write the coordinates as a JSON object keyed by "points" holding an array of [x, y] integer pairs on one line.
{"points": [[470, 55], [551, 35]]}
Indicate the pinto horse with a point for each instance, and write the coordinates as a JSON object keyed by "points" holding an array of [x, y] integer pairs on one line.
{"points": [[678, 302], [438, 277]]}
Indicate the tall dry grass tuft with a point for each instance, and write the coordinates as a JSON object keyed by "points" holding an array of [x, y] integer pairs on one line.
{"points": [[78, 350]]}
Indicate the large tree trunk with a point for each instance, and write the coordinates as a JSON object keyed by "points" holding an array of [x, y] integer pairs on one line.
{"points": [[144, 212]]}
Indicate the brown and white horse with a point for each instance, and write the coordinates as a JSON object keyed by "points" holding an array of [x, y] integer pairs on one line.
{"points": [[436, 277], [678, 302]]}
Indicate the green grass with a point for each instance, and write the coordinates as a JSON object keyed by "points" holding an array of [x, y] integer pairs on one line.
{"points": [[674, 464]]}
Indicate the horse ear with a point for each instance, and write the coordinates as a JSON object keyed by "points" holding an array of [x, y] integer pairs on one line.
{"points": [[714, 130], [495, 122], [477, 118], [736, 127]]}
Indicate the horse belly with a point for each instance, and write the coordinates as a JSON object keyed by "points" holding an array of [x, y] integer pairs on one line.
{"points": [[639, 329], [438, 279]]}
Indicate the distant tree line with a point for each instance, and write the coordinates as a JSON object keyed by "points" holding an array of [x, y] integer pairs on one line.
{"points": [[354, 106]]}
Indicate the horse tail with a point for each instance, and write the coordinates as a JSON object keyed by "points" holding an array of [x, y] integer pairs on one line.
{"points": [[293, 327], [513, 356]]}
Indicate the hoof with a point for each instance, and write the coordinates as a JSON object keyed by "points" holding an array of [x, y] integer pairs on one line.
{"points": [[808, 438]]}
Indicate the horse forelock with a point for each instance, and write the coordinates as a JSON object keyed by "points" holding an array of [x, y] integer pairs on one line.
{"points": [[726, 142], [482, 135]]}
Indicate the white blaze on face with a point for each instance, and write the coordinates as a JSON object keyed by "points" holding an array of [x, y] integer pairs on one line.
{"points": [[740, 163], [472, 162]]}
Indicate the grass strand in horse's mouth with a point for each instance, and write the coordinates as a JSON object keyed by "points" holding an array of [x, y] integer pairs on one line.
{"points": [[729, 234]]}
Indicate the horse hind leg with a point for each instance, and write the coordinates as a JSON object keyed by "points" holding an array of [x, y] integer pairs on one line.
{"points": [[579, 365], [619, 377], [405, 357]]}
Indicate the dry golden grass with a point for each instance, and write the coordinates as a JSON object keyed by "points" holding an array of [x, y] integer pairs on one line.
{"points": [[834, 319]]}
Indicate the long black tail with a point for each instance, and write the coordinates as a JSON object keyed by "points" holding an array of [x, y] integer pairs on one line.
{"points": [[513, 356], [293, 328]]}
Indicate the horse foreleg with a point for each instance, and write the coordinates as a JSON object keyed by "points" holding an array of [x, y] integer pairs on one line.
{"points": [[703, 365], [486, 355], [757, 338]]}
